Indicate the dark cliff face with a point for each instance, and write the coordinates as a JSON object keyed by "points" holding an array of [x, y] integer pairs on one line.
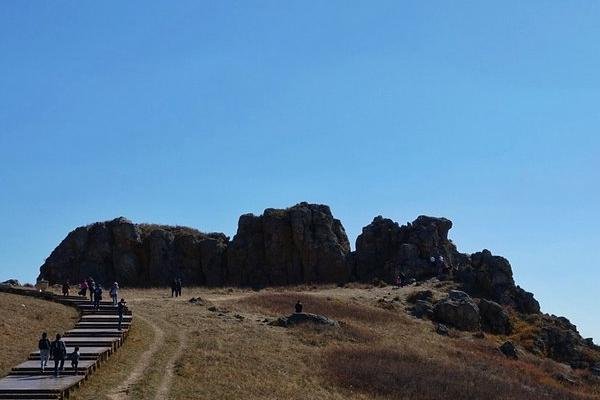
{"points": [[303, 243], [385, 248], [137, 255]]}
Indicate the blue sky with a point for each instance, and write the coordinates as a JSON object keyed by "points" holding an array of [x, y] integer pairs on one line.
{"points": [[195, 112]]}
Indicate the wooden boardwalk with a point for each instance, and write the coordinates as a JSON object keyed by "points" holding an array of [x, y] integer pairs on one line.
{"points": [[97, 336]]}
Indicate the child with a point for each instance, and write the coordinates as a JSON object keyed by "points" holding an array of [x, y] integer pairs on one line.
{"points": [[74, 356], [121, 307]]}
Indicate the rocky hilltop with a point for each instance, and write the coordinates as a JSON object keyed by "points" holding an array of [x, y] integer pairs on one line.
{"points": [[306, 244]]}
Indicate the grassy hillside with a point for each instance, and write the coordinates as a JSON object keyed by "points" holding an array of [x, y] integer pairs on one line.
{"points": [[22, 320], [223, 348]]}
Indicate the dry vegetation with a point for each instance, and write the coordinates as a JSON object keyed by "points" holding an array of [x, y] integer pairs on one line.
{"points": [[22, 320], [224, 348]]}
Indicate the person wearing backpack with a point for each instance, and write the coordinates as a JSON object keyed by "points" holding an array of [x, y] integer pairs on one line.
{"points": [[44, 347], [58, 351], [97, 296], [121, 310]]}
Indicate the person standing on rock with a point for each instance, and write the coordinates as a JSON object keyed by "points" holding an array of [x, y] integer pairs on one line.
{"points": [[58, 351], [97, 296], [114, 293], [120, 311], [65, 288], [298, 307], [44, 347]]}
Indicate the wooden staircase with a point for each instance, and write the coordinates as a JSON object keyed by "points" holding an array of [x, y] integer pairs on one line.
{"points": [[97, 336]]}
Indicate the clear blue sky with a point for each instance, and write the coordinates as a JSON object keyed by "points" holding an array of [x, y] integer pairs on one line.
{"points": [[196, 112]]}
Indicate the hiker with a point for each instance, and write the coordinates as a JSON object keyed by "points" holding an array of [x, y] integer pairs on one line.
{"points": [[58, 352], [74, 357], [83, 288], [178, 287], [114, 293], [97, 296], [298, 307], [90, 285], [174, 288], [65, 288], [44, 347], [120, 310]]}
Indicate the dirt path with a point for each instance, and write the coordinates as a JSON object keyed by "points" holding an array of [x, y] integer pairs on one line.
{"points": [[165, 383], [122, 391]]}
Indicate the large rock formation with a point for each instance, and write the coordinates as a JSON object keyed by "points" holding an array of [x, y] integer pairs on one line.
{"points": [[137, 255], [303, 243], [385, 248]]}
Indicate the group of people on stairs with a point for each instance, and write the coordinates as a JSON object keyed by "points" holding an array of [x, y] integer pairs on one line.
{"points": [[57, 351]]}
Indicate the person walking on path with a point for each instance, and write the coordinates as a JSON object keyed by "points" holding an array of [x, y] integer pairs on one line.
{"points": [[65, 288], [298, 307], [174, 288], [83, 289], [114, 293], [90, 285], [44, 347], [74, 356], [120, 310], [178, 287], [58, 350], [97, 296]]}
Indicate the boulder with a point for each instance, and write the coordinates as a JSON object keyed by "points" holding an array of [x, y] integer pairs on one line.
{"points": [[303, 318], [442, 329], [300, 244], [509, 350], [494, 318], [414, 297], [459, 311], [422, 309]]}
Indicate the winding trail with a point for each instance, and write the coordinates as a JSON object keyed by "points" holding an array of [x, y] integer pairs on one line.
{"points": [[122, 391]]}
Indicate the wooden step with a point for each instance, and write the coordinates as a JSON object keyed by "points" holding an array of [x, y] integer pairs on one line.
{"points": [[88, 352], [95, 332]]}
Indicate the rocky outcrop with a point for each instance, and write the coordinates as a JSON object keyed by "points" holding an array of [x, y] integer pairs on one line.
{"points": [[137, 255], [458, 310], [304, 318], [494, 318], [303, 243], [300, 244], [384, 248], [491, 277]]}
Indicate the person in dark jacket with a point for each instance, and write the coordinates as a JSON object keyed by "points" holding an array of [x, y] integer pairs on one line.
{"points": [[44, 347], [121, 310], [65, 288], [174, 288], [74, 357], [178, 287], [97, 296], [90, 285], [298, 307], [58, 351]]}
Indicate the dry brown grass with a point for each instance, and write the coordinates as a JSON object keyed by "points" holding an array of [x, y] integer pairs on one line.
{"points": [[231, 353], [22, 321], [407, 374]]}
